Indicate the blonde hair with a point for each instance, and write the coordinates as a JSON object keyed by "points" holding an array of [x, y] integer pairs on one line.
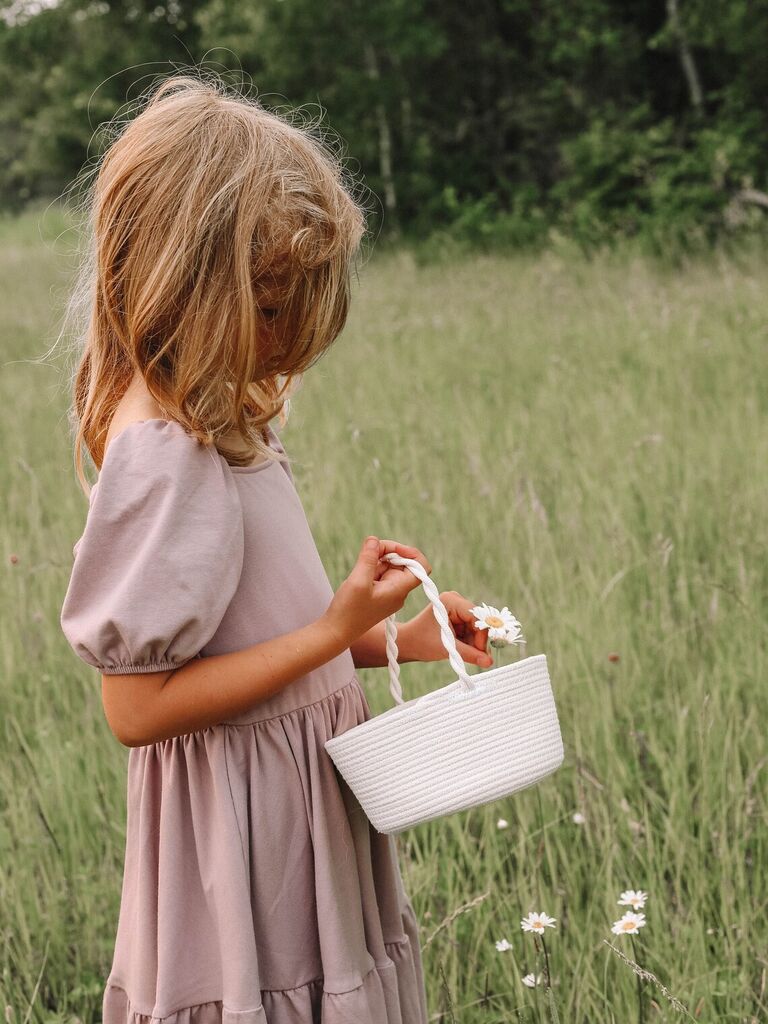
{"points": [[220, 241]]}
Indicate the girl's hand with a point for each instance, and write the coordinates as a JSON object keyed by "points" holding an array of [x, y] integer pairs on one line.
{"points": [[373, 590], [421, 634]]}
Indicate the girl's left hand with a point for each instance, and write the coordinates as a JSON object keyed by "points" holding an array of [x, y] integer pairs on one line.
{"points": [[423, 633]]}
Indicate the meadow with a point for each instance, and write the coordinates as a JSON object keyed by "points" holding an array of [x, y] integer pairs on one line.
{"points": [[583, 440]]}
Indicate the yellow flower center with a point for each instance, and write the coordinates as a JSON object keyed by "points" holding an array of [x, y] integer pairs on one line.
{"points": [[628, 926], [495, 621]]}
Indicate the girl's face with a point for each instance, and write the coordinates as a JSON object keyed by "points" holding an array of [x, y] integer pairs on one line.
{"points": [[276, 331]]}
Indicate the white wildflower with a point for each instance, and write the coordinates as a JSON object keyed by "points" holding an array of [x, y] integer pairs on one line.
{"points": [[578, 818], [502, 823], [537, 923], [630, 924], [503, 628], [633, 898], [502, 945], [532, 980]]}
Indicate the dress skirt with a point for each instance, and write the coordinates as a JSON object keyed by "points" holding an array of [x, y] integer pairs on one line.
{"points": [[255, 889]]}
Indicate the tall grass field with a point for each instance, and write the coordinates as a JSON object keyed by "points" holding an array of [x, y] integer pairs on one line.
{"points": [[584, 441]]}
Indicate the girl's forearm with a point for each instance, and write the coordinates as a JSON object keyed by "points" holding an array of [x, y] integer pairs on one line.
{"points": [[206, 691], [370, 649]]}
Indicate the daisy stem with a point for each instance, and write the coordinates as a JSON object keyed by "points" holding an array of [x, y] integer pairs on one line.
{"points": [[640, 1014], [546, 960]]}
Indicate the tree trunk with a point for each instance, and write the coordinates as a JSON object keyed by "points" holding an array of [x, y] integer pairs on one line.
{"points": [[385, 143], [686, 57]]}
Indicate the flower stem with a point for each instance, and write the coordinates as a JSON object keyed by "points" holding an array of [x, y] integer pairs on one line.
{"points": [[640, 1013], [546, 961]]}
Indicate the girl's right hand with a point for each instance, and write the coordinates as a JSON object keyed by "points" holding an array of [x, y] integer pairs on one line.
{"points": [[373, 590]]}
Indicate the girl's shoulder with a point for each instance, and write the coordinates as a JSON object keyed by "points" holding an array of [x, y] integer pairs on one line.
{"points": [[156, 427], [143, 455], [157, 445]]}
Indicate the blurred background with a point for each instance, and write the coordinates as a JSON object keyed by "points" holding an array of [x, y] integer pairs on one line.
{"points": [[496, 121], [552, 381]]}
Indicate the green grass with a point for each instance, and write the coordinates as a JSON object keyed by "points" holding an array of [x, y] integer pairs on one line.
{"points": [[586, 442]]}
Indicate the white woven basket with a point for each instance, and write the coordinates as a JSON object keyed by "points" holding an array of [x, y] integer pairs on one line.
{"points": [[480, 738]]}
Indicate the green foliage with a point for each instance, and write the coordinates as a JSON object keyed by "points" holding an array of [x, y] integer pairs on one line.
{"points": [[481, 224], [488, 125], [68, 68], [630, 175]]}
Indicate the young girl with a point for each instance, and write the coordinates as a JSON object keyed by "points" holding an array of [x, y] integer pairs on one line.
{"points": [[255, 890]]}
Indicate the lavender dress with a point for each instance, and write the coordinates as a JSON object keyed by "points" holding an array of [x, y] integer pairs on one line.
{"points": [[255, 890]]}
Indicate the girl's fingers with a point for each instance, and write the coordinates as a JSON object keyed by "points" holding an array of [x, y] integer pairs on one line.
{"points": [[481, 640], [472, 655], [400, 579], [464, 610], [387, 546], [461, 615], [381, 568], [458, 606]]}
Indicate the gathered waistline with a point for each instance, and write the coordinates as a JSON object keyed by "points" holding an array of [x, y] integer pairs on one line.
{"points": [[291, 711]]}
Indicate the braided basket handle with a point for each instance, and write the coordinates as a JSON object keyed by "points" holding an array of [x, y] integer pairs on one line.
{"points": [[441, 614]]}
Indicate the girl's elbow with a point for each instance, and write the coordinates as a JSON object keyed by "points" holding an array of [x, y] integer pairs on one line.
{"points": [[127, 703], [125, 730], [130, 738]]}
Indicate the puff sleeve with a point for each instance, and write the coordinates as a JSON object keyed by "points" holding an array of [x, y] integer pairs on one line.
{"points": [[161, 553]]}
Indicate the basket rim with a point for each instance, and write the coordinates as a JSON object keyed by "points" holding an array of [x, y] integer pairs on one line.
{"points": [[501, 672]]}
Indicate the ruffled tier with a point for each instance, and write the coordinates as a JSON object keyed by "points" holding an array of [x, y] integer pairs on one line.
{"points": [[256, 891], [389, 994]]}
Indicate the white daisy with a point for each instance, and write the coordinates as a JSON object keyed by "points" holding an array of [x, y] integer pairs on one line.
{"points": [[503, 628], [537, 923], [502, 945], [532, 980], [578, 818], [630, 924], [502, 823], [506, 639], [633, 898]]}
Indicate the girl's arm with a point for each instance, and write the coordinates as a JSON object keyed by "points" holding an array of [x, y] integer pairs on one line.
{"points": [[370, 650], [418, 639], [145, 707]]}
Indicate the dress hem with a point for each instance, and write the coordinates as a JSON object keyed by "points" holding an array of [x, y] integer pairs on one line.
{"points": [[133, 1014]]}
